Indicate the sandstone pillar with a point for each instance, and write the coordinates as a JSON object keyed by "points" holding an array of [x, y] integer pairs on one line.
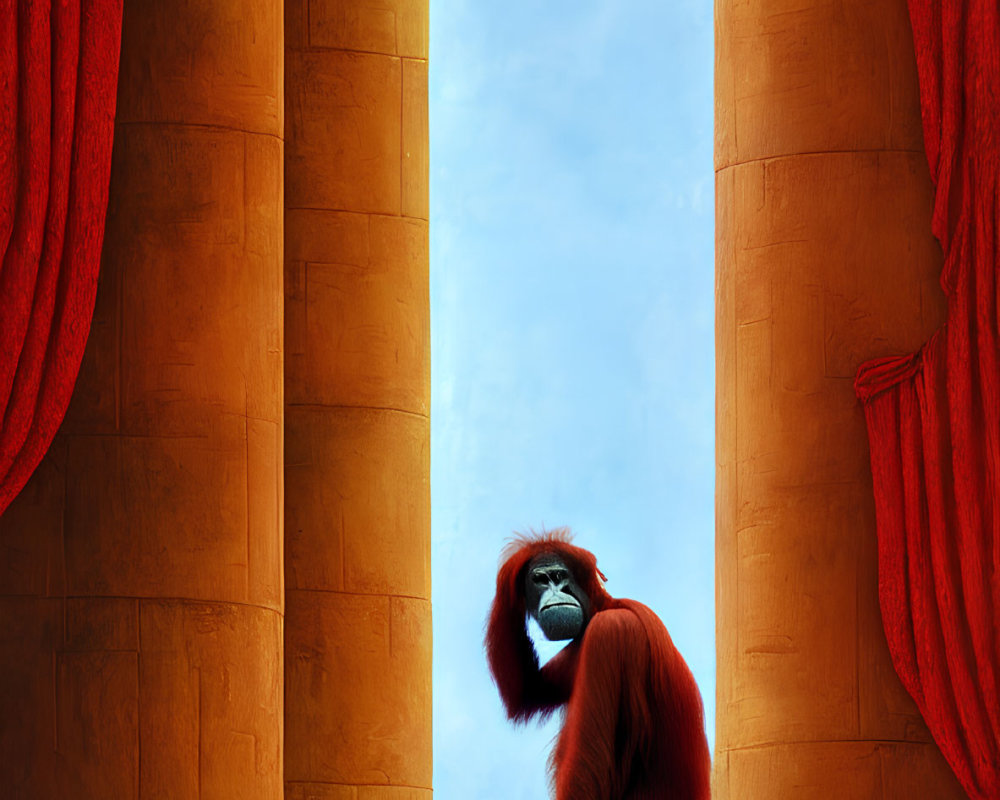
{"points": [[358, 635], [824, 259], [141, 569]]}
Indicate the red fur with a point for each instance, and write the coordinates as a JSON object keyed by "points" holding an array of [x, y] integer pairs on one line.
{"points": [[634, 726]]}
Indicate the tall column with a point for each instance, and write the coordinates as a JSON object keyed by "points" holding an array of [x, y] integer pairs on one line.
{"points": [[141, 622], [824, 259], [358, 635]]}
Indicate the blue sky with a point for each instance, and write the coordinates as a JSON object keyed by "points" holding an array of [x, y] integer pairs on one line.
{"points": [[572, 332]]}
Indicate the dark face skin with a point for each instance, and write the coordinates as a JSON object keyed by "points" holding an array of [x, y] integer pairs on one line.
{"points": [[554, 599]]}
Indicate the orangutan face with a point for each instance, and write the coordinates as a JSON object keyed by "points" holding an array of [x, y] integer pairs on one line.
{"points": [[554, 599]]}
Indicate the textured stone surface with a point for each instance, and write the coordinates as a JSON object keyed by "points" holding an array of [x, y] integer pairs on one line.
{"points": [[140, 628], [809, 76], [824, 259], [92, 683], [344, 131], [358, 672], [357, 393], [804, 292], [160, 501], [415, 153], [141, 635], [207, 63], [389, 27], [356, 300], [222, 494], [834, 770], [32, 558], [333, 791], [800, 468], [195, 196], [358, 501], [210, 693], [69, 726]]}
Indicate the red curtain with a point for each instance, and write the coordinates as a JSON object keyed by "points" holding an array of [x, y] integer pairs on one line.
{"points": [[934, 417], [59, 62]]}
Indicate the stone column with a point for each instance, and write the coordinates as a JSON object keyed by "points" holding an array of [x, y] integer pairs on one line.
{"points": [[141, 622], [358, 636], [824, 259]]}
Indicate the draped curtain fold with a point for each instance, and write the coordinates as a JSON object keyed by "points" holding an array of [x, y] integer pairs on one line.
{"points": [[934, 417], [58, 81]]}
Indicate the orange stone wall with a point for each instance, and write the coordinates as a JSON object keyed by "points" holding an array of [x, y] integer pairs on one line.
{"points": [[824, 259], [141, 569], [357, 393]]}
